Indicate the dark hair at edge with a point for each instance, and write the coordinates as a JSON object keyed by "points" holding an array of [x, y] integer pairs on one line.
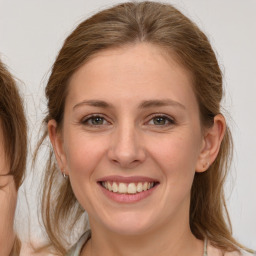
{"points": [[14, 126], [164, 26]]}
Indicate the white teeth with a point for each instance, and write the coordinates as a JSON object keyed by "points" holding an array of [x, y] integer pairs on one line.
{"points": [[122, 188], [130, 188], [104, 184], [139, 187], [109, 187], [114, 187], [145, 186]]}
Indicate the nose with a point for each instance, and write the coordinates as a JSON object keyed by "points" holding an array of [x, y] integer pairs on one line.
{"points": [[126, 147]]}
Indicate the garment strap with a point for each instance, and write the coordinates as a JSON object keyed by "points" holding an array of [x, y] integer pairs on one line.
{"points": [[205, 246]]}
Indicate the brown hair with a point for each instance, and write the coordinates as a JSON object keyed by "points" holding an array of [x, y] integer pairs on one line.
{"points": [[14, 126], [164, 26]]}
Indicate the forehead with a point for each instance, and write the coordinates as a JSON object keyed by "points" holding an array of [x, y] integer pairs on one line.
{"points": [[133, 72]]}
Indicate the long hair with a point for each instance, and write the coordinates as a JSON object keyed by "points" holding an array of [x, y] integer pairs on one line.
{"points": [[164, 26], [14, 126]]}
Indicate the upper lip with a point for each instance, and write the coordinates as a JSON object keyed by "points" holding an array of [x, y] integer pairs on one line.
{"points": [[135, 179]]}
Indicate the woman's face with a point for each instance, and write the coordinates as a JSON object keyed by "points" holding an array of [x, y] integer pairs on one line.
{"points": [[131, 139], [8, 197]]}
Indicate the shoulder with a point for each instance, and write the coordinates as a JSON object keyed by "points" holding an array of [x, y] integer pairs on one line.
{"points": [[241, 253], [237, 254], [213, 251], [76, 249]]}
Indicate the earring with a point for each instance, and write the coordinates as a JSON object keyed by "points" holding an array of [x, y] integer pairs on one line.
{"points": [[65, 176]]}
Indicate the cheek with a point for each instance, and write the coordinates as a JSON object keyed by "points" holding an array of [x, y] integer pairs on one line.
{"points": [[83, 153], [8, 199], [177, 156]]}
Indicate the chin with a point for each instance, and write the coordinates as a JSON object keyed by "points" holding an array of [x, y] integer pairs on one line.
{"points": [[130, 223], [130, 230]]}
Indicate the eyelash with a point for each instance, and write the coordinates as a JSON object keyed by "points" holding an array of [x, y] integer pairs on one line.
{"points": [[88, 119], [170, 120]]}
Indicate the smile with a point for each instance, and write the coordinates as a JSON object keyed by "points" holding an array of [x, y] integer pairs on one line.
{"points": [[127, 188]]}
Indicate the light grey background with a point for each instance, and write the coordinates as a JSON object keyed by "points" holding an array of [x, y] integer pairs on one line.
{"points": [[32, 32]]}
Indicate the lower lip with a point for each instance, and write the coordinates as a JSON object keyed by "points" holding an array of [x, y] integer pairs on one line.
{"points": [[128, 198]]}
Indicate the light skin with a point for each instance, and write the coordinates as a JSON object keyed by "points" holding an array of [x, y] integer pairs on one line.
{"points": [[8, 198], [132, 112]]}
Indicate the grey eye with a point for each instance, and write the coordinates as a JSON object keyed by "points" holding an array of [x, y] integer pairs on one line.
{"points": [[97, 120], [160, 120]]}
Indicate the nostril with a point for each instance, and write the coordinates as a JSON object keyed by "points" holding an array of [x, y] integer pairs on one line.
{"points": [[126, 164], [127, 152]]}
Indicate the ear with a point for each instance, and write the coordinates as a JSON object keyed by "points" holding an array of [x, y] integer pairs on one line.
{"points": [[57, 143], [212, 139]]}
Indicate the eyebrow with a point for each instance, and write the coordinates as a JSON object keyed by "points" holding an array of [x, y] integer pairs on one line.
{"points": [[94, 103], [161, 103], [143, 105]]}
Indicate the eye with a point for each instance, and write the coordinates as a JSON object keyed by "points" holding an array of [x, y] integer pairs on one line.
{"points": [[95, 121], [161, 120]]}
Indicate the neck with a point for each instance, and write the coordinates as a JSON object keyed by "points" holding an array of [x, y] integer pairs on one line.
{"points": [[174, 241]]}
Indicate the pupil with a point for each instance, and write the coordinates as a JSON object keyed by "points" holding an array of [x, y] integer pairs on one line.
{"points": [[97, 120], [159, 120]]}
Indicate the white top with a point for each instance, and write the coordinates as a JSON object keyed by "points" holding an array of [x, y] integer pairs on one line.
{"points": [[76, 249], [209, 250]]}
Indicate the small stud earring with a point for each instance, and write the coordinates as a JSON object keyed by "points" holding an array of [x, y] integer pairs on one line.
{"points": [[65, 176]]}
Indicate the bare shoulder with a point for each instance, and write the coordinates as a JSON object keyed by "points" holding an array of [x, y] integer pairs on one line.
{"points": [[242, 253], [213, 251], [235, 254]]}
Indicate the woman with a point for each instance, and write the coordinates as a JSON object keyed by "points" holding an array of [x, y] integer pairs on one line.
{"points": [[135, 125], [13, 148]]}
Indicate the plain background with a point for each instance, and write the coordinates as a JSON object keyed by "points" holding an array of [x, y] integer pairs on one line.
{"points": [[32, 32]]}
